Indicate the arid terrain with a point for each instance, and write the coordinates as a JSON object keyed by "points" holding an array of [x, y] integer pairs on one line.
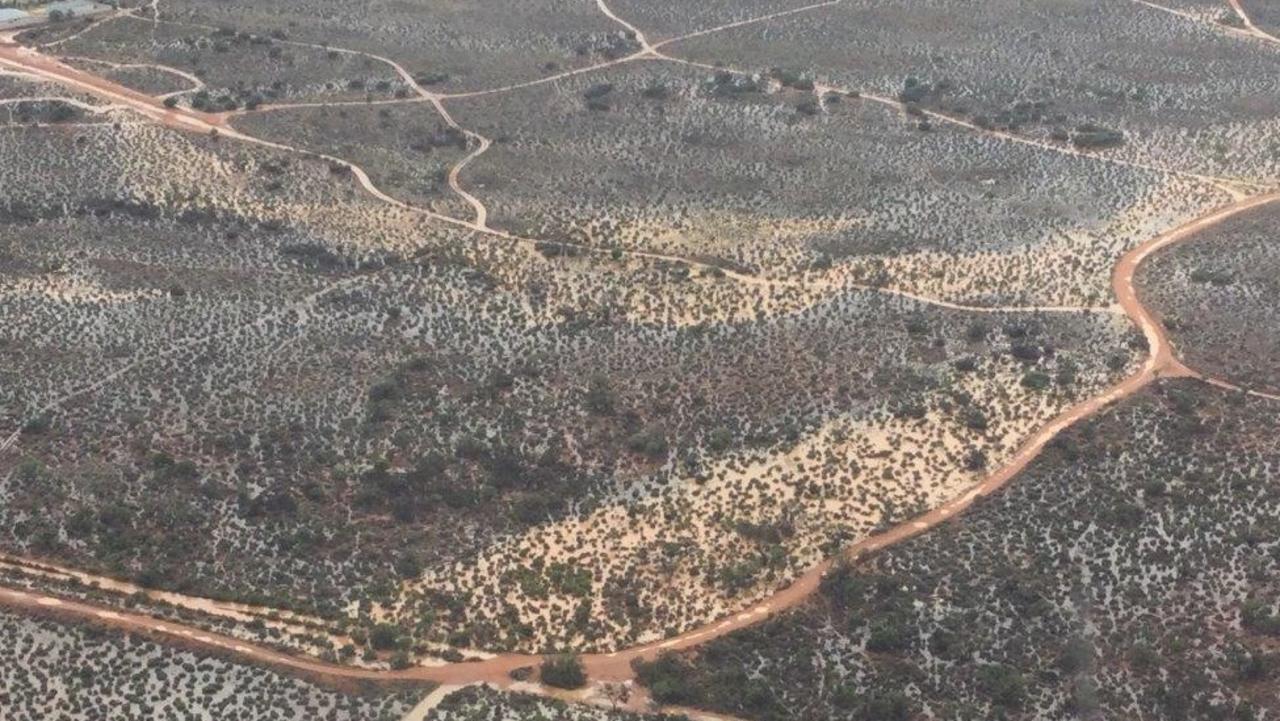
{"points": [[583, 359]]}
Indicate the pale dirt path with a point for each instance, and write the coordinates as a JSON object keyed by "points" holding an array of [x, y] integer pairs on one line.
{"points": [[97, 22], [196, 83], [641, 55], [647, 51], [635, 31], [27, 61], [743, 23], [1235, 187], [1229, 386], [88, 108], [1249, 25], [285, 621], [424, 95], [1199, 20], [1248, 28], [615, 666], [430, 701], [481, 220]]}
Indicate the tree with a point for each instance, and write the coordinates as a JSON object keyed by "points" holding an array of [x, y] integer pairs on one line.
{"points": [[720, 439], [670, 679], [886, 706], [600, 399], [1035, 380], [36, 425], [563, 671], [650, 442], [618, 694], [384, 637], [1003, 685]]}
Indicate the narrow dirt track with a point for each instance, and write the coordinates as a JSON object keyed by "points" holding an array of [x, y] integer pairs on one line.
{"points": [[1243, 14], [21, 59], [1161, 362]]}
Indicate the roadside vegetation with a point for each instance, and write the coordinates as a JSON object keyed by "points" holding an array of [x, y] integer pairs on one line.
{"points": [[496, 327], [50, 670], [1217, 296], [1129, 572]]}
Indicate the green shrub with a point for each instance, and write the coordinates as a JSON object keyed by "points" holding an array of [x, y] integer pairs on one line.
{"points": [[650, 442], [1003, 685], [886, 706], [563, 671], [384, 637], [1035, 380], [890, 635], [1089, 135], [669, 679]]}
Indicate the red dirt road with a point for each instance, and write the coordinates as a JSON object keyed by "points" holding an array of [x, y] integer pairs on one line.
{"points": [[1161, 362], [21, 59]]}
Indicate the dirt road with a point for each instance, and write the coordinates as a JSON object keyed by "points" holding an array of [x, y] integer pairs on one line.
{"points": [[1243, 14], [1161, 362], [22, 59]]}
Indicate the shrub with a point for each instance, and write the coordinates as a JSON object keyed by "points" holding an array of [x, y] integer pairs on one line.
{"points": [[1077, 656], [1004, 685], [1035, 380], [598, 90], [890, 635], [1214, 277], [563, 671], [1255, 616], [1089, 135], [650, 442], [569, 579], [384, 637], [600, 400], [720, 439], [975, 419], [976, 460], [886, 706], [1028, 352], [656, 92], [669, 679], [36, 425], [913, 91]]}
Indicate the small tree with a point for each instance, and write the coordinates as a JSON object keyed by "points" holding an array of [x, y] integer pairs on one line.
{"points": [[669, 678], [563, 671], [384, 637]]}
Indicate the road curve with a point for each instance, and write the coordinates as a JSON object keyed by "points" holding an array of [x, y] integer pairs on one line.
{"points": [[1160, 362], [603, 667], [21, 59]]}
